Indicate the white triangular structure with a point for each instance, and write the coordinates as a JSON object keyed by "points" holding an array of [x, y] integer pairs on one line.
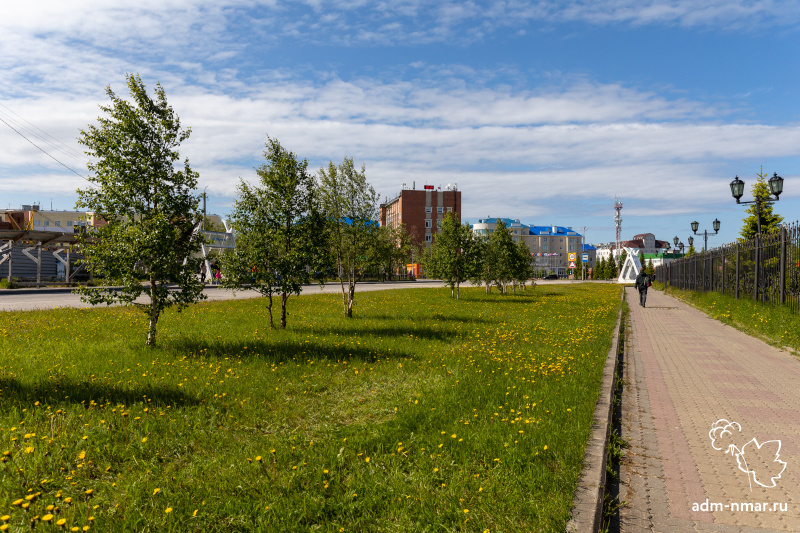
{"points": [[630, 269]]}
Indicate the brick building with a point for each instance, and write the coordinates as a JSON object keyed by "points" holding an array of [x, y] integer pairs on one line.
{"points": [[421, 210]]}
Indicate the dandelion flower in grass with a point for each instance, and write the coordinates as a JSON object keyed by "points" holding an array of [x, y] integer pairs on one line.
{"points": [[61, 522], [156, 491], [89, 492], [47, 517], [18, 502], [67, 500], [29, 449], [367, 459], [144, 439], [168, 510], [4, 527], [5, 518]]}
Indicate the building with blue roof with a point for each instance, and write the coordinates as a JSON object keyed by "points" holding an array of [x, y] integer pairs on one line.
{"points": [[550, 246]]}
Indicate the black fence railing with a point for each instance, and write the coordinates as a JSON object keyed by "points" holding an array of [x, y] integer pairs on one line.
{"points": [[766, 269]]}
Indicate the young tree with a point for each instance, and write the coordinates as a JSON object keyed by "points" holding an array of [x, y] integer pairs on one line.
{"points": [[350, 206], [770, 221], [523, 269], [502, 252], [392, 249], [599, 271], [611, 269], [278, 230], [650, 269], [149, 204], [453, 256], [691, 251]]}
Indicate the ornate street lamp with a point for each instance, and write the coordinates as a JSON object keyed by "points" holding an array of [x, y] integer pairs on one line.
{"points": [[696, 225], [691, 240], [775, 184]]}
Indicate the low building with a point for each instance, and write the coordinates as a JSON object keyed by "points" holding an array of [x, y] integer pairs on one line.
{"points": [[550, 246]]}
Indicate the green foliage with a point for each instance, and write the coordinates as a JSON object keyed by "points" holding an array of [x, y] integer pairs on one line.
{"points": [[599, 271], [279, 232], [770, 221], [392, 249], [649, 269], [503, 261], [611, 268], [454, 256], [691, 251], [150, 206], [350, 206]]}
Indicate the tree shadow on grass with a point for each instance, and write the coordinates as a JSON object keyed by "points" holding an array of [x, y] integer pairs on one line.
{"points": [[67, 390], [427, 333], [278, 351]]}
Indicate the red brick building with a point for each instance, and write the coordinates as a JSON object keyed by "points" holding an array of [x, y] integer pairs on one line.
{"points": [[421, 210]]}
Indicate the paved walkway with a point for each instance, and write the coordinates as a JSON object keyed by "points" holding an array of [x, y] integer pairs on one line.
{"points": [[684, 372]]}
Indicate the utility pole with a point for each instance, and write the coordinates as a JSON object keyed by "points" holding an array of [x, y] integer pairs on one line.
{"points": [[618, 224]]}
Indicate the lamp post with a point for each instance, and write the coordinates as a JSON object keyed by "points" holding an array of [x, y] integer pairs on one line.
{"points": [[696, 225], [775, 188]]}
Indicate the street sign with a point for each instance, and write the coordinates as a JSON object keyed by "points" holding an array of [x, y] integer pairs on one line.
{"points": [[572, 264], [585, 258], [571, 256]]}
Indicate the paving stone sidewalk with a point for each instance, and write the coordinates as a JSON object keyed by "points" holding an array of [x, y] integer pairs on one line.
{"points": [[684, 372]]}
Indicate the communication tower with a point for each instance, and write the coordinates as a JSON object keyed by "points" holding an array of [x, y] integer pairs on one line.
{"points": [[618, 224]]}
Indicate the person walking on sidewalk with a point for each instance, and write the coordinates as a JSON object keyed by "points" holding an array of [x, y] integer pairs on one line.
{"points": [[642, 282]]}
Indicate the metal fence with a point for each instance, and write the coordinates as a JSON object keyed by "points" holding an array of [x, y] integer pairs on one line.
{"points": [[766, 269]]}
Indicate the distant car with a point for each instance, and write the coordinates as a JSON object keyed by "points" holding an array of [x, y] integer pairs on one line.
{"points": [[551, 276]]}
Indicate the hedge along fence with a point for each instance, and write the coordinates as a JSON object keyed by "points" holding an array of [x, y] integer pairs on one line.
{"points": [[765, 268]]}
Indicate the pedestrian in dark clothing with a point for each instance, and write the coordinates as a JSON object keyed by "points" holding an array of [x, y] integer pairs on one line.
{"points": [[642, 282]]}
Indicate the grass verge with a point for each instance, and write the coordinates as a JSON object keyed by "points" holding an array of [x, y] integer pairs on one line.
{"points": [[421, 414]]}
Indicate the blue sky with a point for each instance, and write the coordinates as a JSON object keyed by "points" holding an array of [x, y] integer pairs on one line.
{"points": [[542, 111]]}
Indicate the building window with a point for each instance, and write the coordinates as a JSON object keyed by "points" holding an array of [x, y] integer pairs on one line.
{"points": [[429, 238], [70, 223], [428, 223], [440, 209], [429, 209], [449, 209], [46, 223], [36, 222], [58, 223]]}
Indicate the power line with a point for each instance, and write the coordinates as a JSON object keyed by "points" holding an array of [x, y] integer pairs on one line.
{"points": [[63, 148], [41, 149]]}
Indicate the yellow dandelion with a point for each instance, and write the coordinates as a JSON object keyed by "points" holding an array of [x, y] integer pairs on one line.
{"points": [[47, 517], [156, 491], [61, 521], [168, 510]]}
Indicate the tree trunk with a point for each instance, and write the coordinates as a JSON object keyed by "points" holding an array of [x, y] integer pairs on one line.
{"points": [[269, 308], [154, 313], [350, 296], [458, 291], [452, 291], [284, 297]]}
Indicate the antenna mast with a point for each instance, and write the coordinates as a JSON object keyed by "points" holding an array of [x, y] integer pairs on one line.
{"points": [[618, 224]]}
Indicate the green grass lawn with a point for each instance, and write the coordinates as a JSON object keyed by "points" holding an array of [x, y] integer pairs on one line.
{"points": [[420, 414], [776, 325]]}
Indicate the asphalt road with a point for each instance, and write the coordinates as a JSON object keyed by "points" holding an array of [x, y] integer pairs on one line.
{"points": [[49, 298], [30, 299]]}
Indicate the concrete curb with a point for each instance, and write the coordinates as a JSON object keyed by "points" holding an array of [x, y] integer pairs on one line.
{"points": [[587, 505]]}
